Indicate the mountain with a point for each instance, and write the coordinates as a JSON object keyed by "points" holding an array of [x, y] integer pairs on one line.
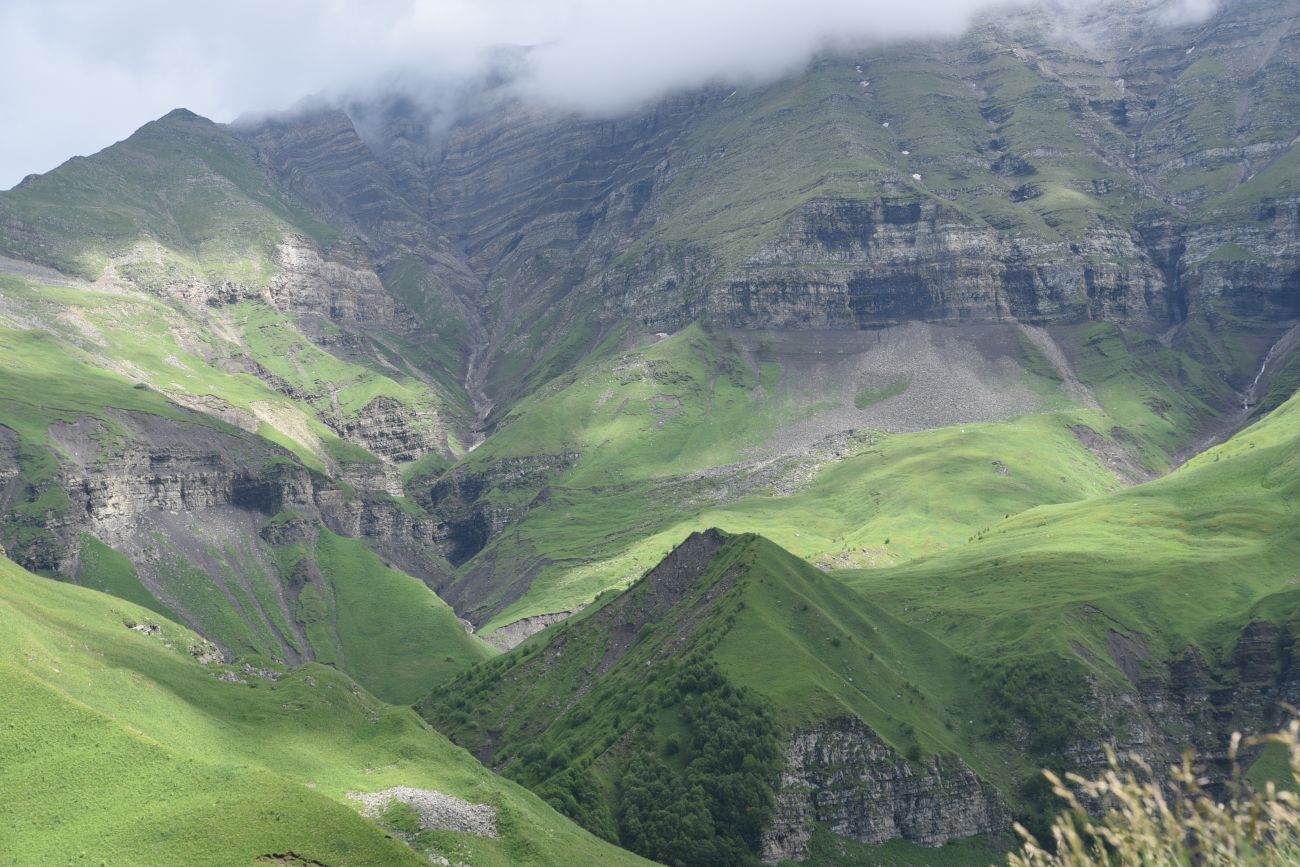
{"points": [[945, 357], [129, 741], [911, 703], [694, 680]]}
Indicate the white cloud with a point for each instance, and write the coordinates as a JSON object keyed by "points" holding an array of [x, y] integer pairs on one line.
{"points": [[80, 74]]}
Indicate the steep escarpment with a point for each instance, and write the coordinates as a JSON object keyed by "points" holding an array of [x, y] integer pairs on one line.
{"points": [[841, 776], [230, 534], [1015, 174], [854, 264], [318, 155]]}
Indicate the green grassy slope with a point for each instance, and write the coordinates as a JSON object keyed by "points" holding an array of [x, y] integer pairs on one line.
{"points": [[961, 652], [245, 360], [747, 636], [120, 747], [1187, 559], [180, 180], [385, 628], [630, 452], [184, 202], [978, 120]]}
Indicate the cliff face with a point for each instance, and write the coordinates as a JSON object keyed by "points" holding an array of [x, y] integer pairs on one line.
{"points": [[1247, 260], [854, 264], [200, 513], [418, 273], [1044, 175], [394, 431], [1190, 701], [840, 775], [339, 285]]}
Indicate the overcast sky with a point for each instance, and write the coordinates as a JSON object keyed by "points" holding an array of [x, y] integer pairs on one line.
{"points": [[77, 75]]}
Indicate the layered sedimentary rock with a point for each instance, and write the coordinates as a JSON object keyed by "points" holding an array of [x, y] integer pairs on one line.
{"points": [[852, 264], [1189, 700], [177, 496], [338, 284], [391, 429], [839, 774]]}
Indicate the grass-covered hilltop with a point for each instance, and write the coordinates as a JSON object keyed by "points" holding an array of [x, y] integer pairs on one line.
{"points": [[783, 472]]}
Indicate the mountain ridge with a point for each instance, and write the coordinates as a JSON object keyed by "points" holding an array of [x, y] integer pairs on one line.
{"points": [[954, 362]]}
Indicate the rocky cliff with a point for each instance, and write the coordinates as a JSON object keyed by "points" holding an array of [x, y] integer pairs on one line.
{"points": [[1190, 701], [855, 264], [839, 775], [1041, 175], [199, 511]]}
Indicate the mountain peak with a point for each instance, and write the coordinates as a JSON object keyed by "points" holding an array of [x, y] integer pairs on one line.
{"points": [[182, 114]]}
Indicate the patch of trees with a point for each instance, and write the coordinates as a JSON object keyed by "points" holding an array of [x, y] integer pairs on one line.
{"points": [[713, 809], [1043, 696]]}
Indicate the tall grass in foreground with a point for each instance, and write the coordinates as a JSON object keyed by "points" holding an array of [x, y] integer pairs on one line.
{"points": [[1145, 821]]}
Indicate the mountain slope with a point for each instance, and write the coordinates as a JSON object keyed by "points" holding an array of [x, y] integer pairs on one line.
{"points": [[205, 520], [1065, 174], [1188, 559], [1152, 618], [124, 742], [376, 293], [699, 675], [233, 382], [930, 316], [843, 447]]}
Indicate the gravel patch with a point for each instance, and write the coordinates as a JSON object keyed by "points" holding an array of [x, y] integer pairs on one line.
{"points": [[436, 810], [39, 273], [954, 375], [514, 633]]}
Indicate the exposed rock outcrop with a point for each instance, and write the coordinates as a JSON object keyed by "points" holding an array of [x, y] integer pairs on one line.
{"points": [[339, 284], [840, 774], [513, 634], [395, 431], [853, 263], [435, 810], [467, 518], [184, 498], [1189, 701]]}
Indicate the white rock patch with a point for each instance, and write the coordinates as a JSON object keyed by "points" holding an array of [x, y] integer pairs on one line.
{"points": [[435, 810]]}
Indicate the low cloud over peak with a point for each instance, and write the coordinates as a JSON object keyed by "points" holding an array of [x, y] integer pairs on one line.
{"points": [[80, 74]]}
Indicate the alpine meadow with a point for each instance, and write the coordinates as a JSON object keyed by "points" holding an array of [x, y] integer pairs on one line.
{"points": [[886, 458]]}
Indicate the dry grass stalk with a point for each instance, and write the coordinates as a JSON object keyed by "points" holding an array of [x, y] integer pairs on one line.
{"points": [[1142, 821]]}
